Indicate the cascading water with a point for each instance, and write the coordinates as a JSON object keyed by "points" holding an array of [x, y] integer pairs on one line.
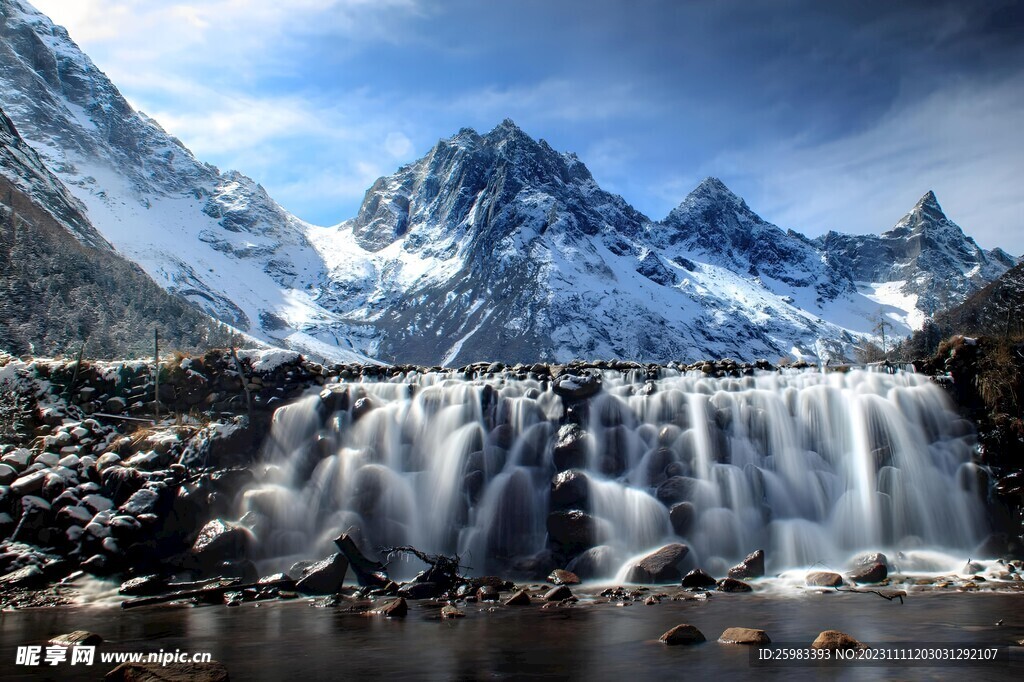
{"points": [[811, 467]]}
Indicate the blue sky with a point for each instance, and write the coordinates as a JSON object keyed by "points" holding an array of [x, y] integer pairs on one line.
{"points": [[822, 115]]}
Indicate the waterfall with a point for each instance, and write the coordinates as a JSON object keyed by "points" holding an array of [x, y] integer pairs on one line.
{"points": [[512, 476]]}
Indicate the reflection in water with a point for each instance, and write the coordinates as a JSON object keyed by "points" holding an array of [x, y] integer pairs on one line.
{"points": [[290, 640]]}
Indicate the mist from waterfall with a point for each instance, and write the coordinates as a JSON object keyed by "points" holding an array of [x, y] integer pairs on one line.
{"points": [[813, 467]]}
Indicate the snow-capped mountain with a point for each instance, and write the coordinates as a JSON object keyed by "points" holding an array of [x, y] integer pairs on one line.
{"points": [[492, 246], [923, 265], [216, 239]]}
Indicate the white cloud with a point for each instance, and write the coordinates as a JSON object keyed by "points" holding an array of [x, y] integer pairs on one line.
{"points": [[962, 142], [398, 145]]}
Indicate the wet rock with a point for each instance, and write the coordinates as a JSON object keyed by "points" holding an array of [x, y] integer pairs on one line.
{"points": [[682, 515], [562, 577], [29, 484], [571, 445], [663, 566], [870, 559], [698, 579], [751, 567], [77, 638], [8, 474], [682, 634], [323, 577], [141, 502], [596, 562], [29, 577], [520, 598], [733, 585], [874, 573], [744, 636], [144, 586], [575, 388], [970, 568], [559, 593], [396, 608], [34, 526], [487, 593], [218, 542], [833, 639], [573, 529], [426, 590], [570, 489], [171, 672], [823, 579], [449, 611]]}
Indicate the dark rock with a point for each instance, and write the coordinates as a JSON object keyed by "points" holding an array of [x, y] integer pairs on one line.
{"points": [[870, 559], [682, 634], [823, 579], [396, 608], [421, 590], [570, 489], [29, 484], [34, 526], [122, 482], [698, 578], [575, 388], [682, 515], [572, 529], [219, 541], [677, 489], [144, 586], [596, 562], [141, 502], [77, 638], [323, 577], [744, 636], [751, 567], [29, 577], [171, 672], [487, 593], [449, 611], [662, 566], [558, 593], [562, 577], [874, 573], [520, 598], [369, 573], [733, 585], [833, 639], [571, 446]]}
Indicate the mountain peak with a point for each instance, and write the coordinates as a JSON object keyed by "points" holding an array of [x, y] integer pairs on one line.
{"points": [[929, 204]]}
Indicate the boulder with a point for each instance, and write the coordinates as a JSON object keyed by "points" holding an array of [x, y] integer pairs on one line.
{"points": [[575, 387], [395, 608], [572, 529], [699, 579], [559, 593], [663, 566], [744, 636], [520, 598], [487, 593], [562, 577], [682, 515], [570, 489], [77, 638], [874, 573], [29, 484], [596, 562], [733, 585], [833, 639], [823, 579], [449, 611], [870, 559], [218, 542], [571, 445], [682, 634], [751, 567], [28, 577], [324, 577]]}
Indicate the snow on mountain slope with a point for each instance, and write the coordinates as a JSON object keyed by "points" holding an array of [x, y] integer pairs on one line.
{"points": [[923, 265], [214, 238], [491, 246]]}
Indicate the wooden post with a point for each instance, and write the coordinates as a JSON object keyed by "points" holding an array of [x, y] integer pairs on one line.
{"points": [[156, 371]]}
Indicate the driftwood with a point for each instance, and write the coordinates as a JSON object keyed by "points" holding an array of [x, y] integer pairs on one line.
{"points": [[204, 592], [369, 573], [884, 594], [444, 570]]}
